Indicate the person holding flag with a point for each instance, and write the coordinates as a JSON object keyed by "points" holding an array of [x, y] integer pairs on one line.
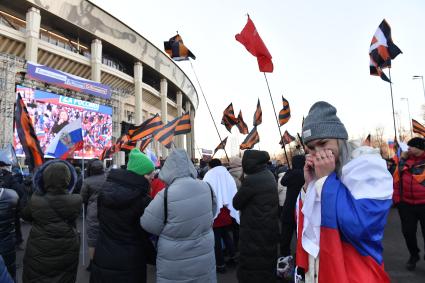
{"points": [[343, 205]]}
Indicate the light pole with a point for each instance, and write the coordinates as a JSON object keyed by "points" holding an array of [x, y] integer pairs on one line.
{"points": [[422, 78], [410, 118]]}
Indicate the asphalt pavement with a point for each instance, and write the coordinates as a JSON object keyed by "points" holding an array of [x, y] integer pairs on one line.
{"points": [[395, 257]]}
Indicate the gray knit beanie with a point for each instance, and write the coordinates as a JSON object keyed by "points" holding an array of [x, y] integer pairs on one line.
{"points": [[322, 123]]}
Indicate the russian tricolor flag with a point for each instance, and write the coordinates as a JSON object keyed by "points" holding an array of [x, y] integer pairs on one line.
{"points": [[69, 139], [342, 222]]}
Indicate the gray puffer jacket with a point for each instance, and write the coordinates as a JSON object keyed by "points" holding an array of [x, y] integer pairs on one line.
{"points": [[186, 241]]}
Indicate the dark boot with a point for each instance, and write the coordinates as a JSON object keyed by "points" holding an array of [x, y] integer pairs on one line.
{"points": [[411, 263]]}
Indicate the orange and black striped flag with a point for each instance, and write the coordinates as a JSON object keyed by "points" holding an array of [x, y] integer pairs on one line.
{"points": [[285, 113], [165, 134], [251, 139], [382, 50], [106, 153], [229, 119], [124, 143], [145, 142], [286, 138], [175, 48], [418, 128], [258, 115], [146, 128], [184, 126], [221, 145], [128, 146], [243, 128], [30, 144]]}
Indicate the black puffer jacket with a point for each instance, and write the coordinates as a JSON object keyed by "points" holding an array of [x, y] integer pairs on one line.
{"points": [[293, 180], [257, 199], [8, 203], [52, 250], [122, 244]]}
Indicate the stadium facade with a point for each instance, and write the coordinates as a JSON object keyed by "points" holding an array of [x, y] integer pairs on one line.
{"points": [[78, 38]]}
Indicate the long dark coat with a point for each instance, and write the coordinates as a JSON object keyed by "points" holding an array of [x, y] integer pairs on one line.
{"points": [[89, 192], [122, 245], [258, 202], [52, 250]]}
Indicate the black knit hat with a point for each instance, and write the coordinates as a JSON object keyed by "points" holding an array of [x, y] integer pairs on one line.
{"points": [[417, 142]]}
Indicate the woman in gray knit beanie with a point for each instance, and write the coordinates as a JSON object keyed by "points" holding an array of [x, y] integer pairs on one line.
{"points": [[343, 206]]}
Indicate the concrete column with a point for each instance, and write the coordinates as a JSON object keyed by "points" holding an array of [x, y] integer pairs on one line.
{"points": [[179, 138], [32, 34], [138, 92], [189, 135], [192, 133], [96, 59], [164, 109]]}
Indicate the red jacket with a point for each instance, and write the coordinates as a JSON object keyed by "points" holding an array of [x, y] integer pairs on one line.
{"points": [[412, 189], [156, 186], [223, 218]]}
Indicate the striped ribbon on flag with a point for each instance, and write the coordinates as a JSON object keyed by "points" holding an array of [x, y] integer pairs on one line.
{"points": [[418, 128], [251, 139], [285, 113]]}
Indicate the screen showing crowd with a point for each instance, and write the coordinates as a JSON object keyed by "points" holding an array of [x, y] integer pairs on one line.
{"points": [[51, 112]]}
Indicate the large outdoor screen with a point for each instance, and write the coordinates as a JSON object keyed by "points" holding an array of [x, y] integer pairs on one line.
{"points": [[51, 112]]}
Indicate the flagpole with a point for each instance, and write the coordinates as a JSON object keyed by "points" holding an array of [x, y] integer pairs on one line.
{"points": [[277, 121], [202, 92], [392, 103], [84, 212]]}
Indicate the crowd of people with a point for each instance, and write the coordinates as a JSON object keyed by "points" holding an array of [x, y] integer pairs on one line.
{"points": [[192, 223]]}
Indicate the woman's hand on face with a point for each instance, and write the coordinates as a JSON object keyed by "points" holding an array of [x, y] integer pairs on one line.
{"points": [[309, 174], [324, 163]]}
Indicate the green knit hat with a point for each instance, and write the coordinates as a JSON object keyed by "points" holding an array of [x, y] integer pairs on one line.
{"points": [[139, 163]]}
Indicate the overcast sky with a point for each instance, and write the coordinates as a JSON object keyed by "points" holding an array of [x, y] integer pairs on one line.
{"points": [[320, 52]]}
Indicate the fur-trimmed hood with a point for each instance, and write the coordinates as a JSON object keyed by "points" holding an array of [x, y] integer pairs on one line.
{"points": [[38, 181]]}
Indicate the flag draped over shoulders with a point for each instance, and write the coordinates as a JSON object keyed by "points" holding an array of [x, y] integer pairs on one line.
{"points": [[352, 212]]}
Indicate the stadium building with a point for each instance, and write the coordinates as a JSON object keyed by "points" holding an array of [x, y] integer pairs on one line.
{"points": [[69, 58]]}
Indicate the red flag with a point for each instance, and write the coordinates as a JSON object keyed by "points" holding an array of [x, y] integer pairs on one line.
{"points": [[252, 41]]}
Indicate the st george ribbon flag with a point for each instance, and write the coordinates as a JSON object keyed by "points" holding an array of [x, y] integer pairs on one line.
{"points": [[26, 133], [175, 48], [69, 139], [285, 113], [382, 50], [418, 128], [251, 139], [258, 115], [229, 119], [243, 128], [252, 41], [221, 145]]}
